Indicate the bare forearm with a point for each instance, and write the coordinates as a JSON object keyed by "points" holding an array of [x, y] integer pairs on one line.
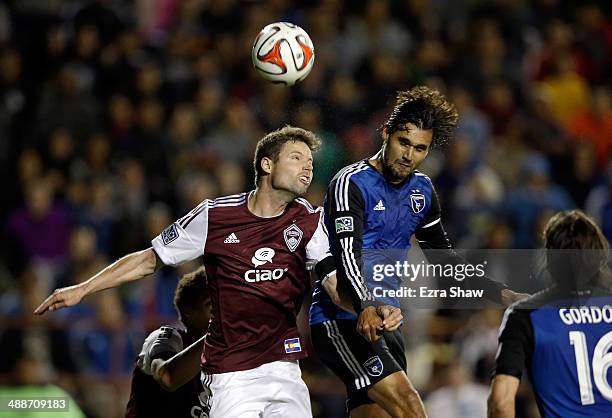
{"points": [[497, 410], [133, 266], [341, 299], [502, 396], [180, 369]]}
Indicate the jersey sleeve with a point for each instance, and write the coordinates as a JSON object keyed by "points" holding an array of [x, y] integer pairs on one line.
{"points": [[318, 255], [516, 342], [345, 208], [185, 239], [431, 236]]}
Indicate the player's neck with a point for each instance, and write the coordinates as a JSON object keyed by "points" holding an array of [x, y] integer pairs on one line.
{"points": [[266, 202], [377, 163]]}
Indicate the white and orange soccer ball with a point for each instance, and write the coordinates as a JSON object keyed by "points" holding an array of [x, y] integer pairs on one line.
{"points": [[283, 53]]}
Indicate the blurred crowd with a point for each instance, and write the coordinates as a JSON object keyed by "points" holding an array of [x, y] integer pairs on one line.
{"points": [[117, 117]]}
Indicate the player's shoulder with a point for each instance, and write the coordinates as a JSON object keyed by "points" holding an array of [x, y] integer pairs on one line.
{"points": [[352, 171], [306, 206], [228, 201], [544, 298], [422, 178], [165, 332]]}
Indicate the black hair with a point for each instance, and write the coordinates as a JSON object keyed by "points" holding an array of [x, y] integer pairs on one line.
{"points": [[585, 265], [190, 291], [426, 108]]}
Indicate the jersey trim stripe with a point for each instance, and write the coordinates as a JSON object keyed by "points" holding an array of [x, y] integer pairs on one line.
{"points": [[361, 378], [431, 223], [418, 173], [231, 197], [341, 187], [228, 202], [186, 220], [352, 269], [307, 204]]}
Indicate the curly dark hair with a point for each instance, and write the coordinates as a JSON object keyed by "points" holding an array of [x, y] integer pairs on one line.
{"points": [[426, 108], [191, 291], [270, 145]]}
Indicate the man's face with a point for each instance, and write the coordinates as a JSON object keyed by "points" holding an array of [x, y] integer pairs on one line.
{"points": [[199, 317], [292, 170], [404, 150]]}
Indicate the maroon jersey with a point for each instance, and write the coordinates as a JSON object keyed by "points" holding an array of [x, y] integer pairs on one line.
{"points": [[257, 276]]}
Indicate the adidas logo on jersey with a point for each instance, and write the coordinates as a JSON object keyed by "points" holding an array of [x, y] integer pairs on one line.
{"points": [[379, 206], [231, 239]]}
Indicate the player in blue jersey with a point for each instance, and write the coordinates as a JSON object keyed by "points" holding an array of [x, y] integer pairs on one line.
{"points": [[372, 210], [562, 335]]}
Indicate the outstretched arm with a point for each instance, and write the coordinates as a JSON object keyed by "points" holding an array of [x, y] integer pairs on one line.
{"points": [[182, 241], [432, 236], [133, 266]]}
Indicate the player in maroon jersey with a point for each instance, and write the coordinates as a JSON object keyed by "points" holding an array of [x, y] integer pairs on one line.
{"points": [[257, 248], [165, 381]]}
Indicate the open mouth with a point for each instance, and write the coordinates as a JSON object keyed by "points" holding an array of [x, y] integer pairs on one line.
{"points": [[305, 180]]}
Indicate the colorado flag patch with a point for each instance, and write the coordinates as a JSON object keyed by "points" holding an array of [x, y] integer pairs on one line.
{"points": [[292, 345]]}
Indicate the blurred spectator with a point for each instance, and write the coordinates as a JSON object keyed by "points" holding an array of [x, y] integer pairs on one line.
{"points": [[64, 103], [42, 226], [536, 194], [599, 204], [594, 125], [459, 397]]}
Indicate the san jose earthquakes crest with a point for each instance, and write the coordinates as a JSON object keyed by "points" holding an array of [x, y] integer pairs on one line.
{"points": [[293, 236], [417, 201], [374, 366]]}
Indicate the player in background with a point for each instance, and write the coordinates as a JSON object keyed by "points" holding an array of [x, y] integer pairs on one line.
{"points": [[166, 381], [257, 248], [372, 210], [563, 334]]}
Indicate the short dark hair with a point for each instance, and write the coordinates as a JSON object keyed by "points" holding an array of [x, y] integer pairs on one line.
{"points": [[190, 291], [426, 108], [270, 145], [580, 269]]}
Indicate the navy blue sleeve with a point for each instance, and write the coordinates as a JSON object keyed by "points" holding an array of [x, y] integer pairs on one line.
{"points": [[516, 343], [344, 207]]}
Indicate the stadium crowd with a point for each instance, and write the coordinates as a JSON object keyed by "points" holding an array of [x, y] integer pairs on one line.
{"points": [[117, 117]]}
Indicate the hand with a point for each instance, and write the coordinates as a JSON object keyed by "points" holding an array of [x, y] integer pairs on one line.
{"points": [[508, 297], [370, 324], [61, 298], [391, 316]]}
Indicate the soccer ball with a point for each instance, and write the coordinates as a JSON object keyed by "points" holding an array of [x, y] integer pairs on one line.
{"points": [[283, 53]]}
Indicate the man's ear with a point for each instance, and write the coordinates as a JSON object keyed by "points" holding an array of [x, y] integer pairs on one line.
{"points": [[267, 164], [385, 135]]}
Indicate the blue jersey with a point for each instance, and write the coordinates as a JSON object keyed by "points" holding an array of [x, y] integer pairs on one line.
{"points": [[565, 345], [371, 222]]}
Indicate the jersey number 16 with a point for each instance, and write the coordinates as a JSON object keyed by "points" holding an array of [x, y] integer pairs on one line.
{"points": [[602, 361]]}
